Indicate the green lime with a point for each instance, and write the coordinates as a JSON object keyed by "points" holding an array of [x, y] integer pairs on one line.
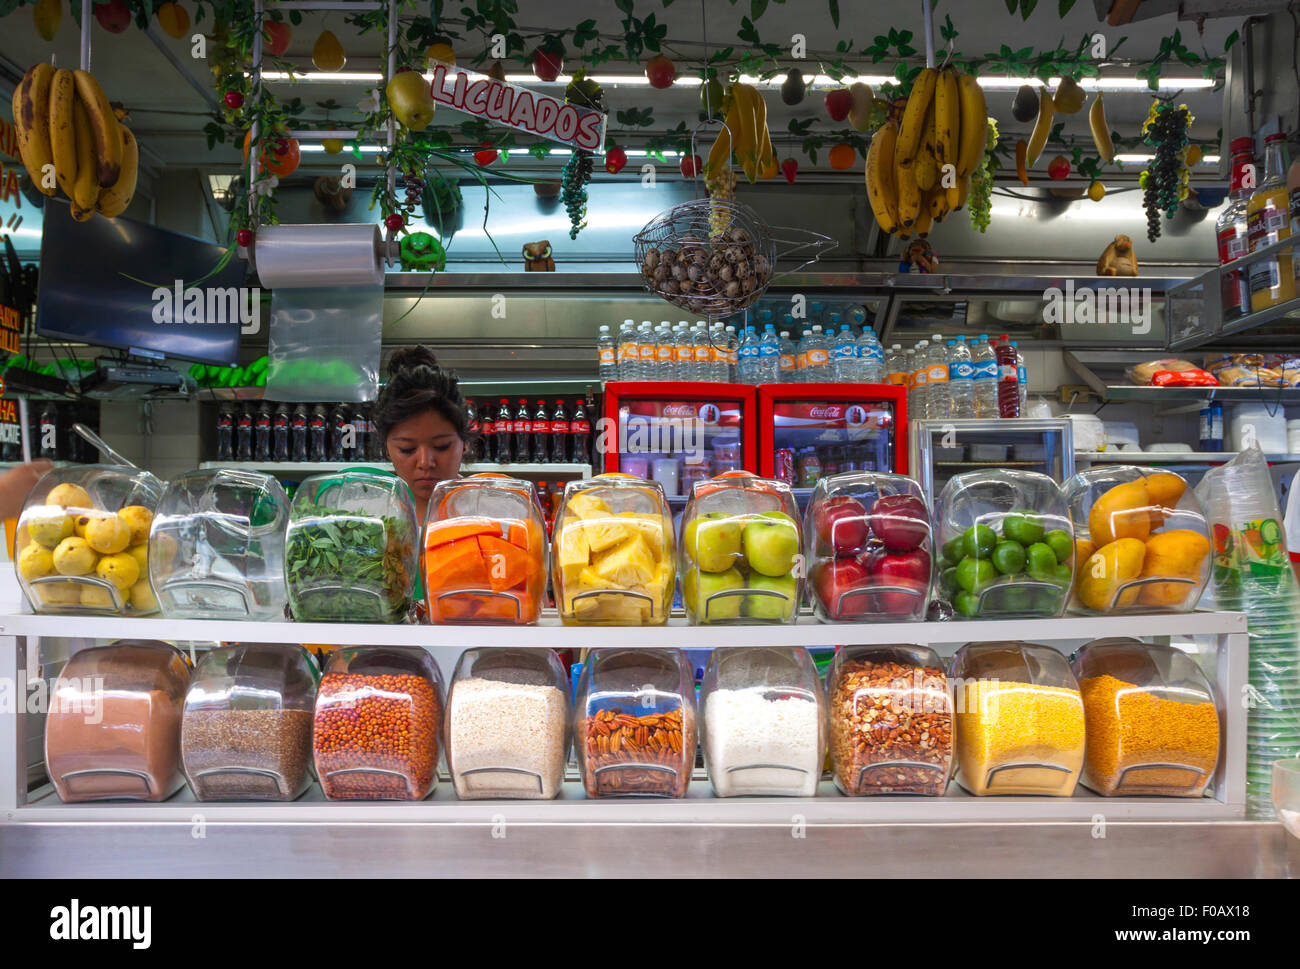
{"points": [[955, 549], [975, 574], [1046, 602], [1016, 600], [1063, 576], [1061, 543], [948, 580], [1022, 527], [1009, 557], [979, 541], [967, 603], [1040, 562]]}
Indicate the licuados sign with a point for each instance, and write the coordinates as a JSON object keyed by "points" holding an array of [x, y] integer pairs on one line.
{"points": [[517, 107]]}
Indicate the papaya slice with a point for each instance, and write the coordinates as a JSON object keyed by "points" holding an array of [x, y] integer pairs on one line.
{"points": [[507, 565], [454, 529], [456, 608], [456, 565]]}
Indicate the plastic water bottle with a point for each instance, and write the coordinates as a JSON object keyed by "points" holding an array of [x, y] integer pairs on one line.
{"points": [[801, 354], [626, 354], [607, 355], [665, 352], [819, 356], [894, 375], [717, 369], [871, 357], [961, 379], [787, 372], [985, 378], [843, 351], [747, 362], [733, 356], [701, 355], [918, 365], [645, 350], [769, 355], [937, 403], [685, 351], [1022, 377]]}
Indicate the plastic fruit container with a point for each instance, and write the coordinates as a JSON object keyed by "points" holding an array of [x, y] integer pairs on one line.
{"points": [[1142, 543], [484, 552], [634, 723], [246, 730], [870, 544], [216, 550], [1153, 726], [763, 722], [1006, 545], [741, 556], [507, 726], [114, 724], [891, 727], [1019, 720], [377, 724], [612, 554], [350, 550], [82, 544]]}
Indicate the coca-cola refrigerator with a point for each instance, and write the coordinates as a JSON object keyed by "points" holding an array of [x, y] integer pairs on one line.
{"points": [[678, 433], [809, 431]]}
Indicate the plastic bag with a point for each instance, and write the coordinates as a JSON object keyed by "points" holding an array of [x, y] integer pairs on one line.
{"points": [[1183, 378], [1252, 574], [325, 344]]}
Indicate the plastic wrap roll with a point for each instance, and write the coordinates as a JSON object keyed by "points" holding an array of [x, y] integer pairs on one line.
{"points": [[302, 256]]}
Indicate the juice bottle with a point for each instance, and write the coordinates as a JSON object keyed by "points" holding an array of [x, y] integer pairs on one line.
{"points": [[1268, 213], [1233, 231], [1008, 378]]}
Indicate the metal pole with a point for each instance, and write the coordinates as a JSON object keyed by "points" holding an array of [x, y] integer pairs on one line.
{"points": [[86, 16], [255, 136], [929, 33], [392, 121]]}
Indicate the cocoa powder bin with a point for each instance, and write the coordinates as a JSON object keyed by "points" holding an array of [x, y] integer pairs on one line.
{"points": [[113, 730]]}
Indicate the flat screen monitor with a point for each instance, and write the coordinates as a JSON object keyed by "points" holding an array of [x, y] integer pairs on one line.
{"points": [[87, 293]]}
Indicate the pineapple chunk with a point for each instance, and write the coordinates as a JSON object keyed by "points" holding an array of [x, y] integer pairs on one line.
{"points": [[605, 533], [588, 506], [629, 565], [650, 526], [573, 550]]}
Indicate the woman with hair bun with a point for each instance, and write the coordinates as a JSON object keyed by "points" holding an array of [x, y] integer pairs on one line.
{"points": [[421, 418]]}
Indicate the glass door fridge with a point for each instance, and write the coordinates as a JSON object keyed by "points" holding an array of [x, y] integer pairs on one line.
{"points": [[809, 431], [678, 433]]}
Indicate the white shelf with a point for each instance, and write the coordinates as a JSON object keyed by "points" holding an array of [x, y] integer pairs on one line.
{"points": [[550, 632], [325, 467], [1171, 457]]}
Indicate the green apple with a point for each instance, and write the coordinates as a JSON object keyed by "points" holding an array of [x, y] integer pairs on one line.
{"points": [[771, 543], [770, 608], [697, 587], [713, 541]]}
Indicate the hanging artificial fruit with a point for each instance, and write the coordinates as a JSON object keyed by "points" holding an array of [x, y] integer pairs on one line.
{"points": [[691, 165], [280, 153], [174, 20], [615, 160], [793, 87], [838, 103], [47, 15], [841, 156], [547, 64], [409, 97], [439, 52], [276, 35], [114, 16], [860, 110], [660, 71], [327, 53], [789, 168], [486, 156], [711, 95]]}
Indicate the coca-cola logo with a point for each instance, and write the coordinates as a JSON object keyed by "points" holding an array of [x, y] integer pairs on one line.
{"points": [[679, 410], [832, 412]]}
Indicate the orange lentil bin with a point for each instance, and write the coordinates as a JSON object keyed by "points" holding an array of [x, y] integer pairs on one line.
{"points": [[376, 736], [1127, 725]]}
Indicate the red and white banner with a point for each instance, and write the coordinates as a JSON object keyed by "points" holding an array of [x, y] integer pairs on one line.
{"points": [[832, 416], [710, 414], [517, 107]]}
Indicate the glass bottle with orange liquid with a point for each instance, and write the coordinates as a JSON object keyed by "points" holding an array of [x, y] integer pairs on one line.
{"points": [[1268, 214]]}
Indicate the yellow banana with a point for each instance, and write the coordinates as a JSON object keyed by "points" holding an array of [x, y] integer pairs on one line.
{"points": [[974, 125], [963, 192], [924, 222], [1042, 128], [720, 153], [747, 140], [879, 175], [31, 106], [103, 125], [947, 118], [114, 199], [926, 162], [909, 195], [912, 129], [1101, 130], [954, 196], [765, 157], [63, 133], [85, 191], [938, 202]]}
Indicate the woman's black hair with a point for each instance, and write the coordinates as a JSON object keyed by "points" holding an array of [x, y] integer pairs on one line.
{"points": [[417, 384]]}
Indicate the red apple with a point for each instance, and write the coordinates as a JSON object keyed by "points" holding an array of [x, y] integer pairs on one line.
{"points": [[833, 580], [841, 524], [547, 65], [838, 103], [900, 521], [276, 34], [660, 71], [908, 569], [114, 16]]}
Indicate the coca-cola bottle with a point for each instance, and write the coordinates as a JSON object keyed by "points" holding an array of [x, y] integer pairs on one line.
{"points": [[559, 434], [541, 434], [580, 434], [361, 434], [244, 435], [472, 430], [339, 451], [487, 435], [262, 434], [225, 434], [503, 434], [280, 433], [298, 433], [523, 433], [316, 433]]}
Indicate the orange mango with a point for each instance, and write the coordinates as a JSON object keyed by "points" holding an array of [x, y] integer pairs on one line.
{"points": [[1123, 511], [1177, 554]]}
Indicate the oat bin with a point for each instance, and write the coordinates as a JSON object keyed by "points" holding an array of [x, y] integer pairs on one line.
{"points": [[1152, 723], [1020, 722]]}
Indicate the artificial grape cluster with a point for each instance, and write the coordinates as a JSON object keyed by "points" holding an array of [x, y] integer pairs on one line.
{"points": [[1165, 181], [573, 189], [980, 199]]}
